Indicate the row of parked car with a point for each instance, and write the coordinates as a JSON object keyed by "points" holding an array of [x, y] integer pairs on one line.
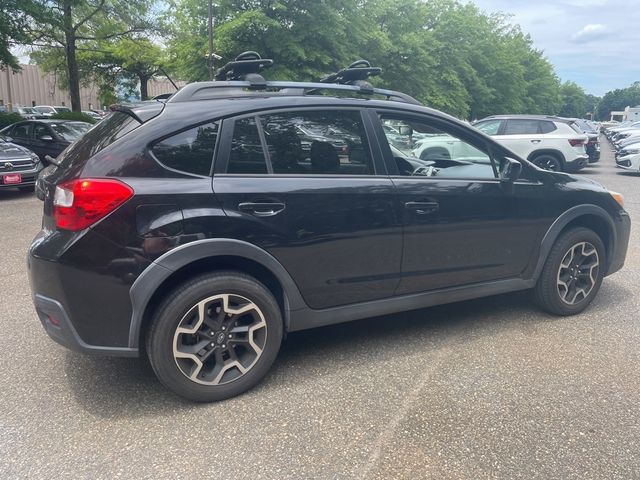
{"points": [[29, 146], [552, 143], [47, 111], [625, 138]]}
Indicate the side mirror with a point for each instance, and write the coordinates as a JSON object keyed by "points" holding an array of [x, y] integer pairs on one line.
{"points": [[46, 138], [405, 130], [510, 170], [7, 139]]}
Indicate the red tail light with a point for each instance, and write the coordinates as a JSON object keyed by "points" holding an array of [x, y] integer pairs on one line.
{"points": [[577, 141], [80, 203]]}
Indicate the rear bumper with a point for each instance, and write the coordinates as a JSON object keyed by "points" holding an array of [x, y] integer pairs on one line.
{"points": [[56, 323], [577, 163], [86, 295]]}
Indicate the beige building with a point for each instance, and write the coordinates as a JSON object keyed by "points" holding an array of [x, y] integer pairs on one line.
{"points": [[31, 87]]}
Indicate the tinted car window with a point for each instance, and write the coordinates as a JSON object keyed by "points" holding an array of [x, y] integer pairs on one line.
{"points": [[247, 154], [189, 151], [70, 131], [20, 131], [331, 142], [40, 131], [547, 127], [113, 127], [439, 153], [522, 127], [576, 128], [490, 127]]}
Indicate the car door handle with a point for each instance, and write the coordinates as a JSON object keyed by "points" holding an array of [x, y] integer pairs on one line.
{"points": [[536, 141], [422, 208], [262, 209]]}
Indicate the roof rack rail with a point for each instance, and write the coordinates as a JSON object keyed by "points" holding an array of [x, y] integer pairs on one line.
{"points": [[241, 77], [246, 66]]}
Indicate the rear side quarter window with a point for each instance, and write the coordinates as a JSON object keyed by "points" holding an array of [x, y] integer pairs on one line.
{"points": [[189, 151]]}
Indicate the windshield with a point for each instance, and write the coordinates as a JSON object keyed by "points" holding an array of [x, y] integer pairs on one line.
{"points": [[43, 109], [63, 109], [70, 131]]}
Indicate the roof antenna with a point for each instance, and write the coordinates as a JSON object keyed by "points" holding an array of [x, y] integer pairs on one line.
{"points": [[246, 67]]}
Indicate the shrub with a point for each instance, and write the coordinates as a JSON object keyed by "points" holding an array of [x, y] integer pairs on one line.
{"points": [[78, 116], [7, 119]]}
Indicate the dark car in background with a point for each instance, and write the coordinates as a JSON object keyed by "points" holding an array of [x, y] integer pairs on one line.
{"points": [[19, 166], [591, 130], [45, 137]]}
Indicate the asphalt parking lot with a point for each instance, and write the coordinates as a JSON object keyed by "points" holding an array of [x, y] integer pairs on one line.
{"points": [[491, 388]]}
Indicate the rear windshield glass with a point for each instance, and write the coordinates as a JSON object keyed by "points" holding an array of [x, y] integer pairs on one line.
{"points": [[103, 134]]}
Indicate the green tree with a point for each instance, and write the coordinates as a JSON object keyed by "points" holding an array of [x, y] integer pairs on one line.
{"points": [[574, 100], [447, 54], [69, 27], [14, 21], [619, 99]]}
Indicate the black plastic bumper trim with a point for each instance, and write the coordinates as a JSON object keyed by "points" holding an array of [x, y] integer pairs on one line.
{"points": [[66, 335]]}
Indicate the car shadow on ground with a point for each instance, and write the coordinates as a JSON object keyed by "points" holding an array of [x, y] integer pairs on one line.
{"points": [[113, 387], [14, 193]]}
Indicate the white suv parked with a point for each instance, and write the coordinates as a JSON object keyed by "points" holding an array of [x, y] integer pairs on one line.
{"points": [[551, 143]]}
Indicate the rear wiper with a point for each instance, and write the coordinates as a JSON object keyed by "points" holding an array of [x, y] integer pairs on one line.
{"points": [[52, 160]]}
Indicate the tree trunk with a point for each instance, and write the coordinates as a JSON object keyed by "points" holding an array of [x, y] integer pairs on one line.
{"points": [[72, 63], [144, 86]]}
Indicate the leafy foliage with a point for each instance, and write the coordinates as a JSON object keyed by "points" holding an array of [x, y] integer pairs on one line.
{"points": [[619, 99], [70, 32], [77, 116], [7, 119], [447, 54]]}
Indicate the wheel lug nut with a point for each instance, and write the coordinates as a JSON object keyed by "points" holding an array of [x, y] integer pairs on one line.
{"points": [[224, 328], [224, 346], [230, 336], [213, 344]]}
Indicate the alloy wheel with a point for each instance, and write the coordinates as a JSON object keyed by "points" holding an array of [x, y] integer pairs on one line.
{"points": [[548, 163], [219, 339], [578, 273]]}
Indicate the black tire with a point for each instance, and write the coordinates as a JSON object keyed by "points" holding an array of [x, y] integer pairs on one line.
{"points": [[548, 293], [162, 336], [549, 162]]}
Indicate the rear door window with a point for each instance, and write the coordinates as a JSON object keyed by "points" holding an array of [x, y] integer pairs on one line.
{"points": [[318, 142], [189, 151], [310, 142], [522, 127]]}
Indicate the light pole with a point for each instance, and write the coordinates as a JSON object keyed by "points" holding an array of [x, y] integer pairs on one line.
{"points": [[210, 28]]}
